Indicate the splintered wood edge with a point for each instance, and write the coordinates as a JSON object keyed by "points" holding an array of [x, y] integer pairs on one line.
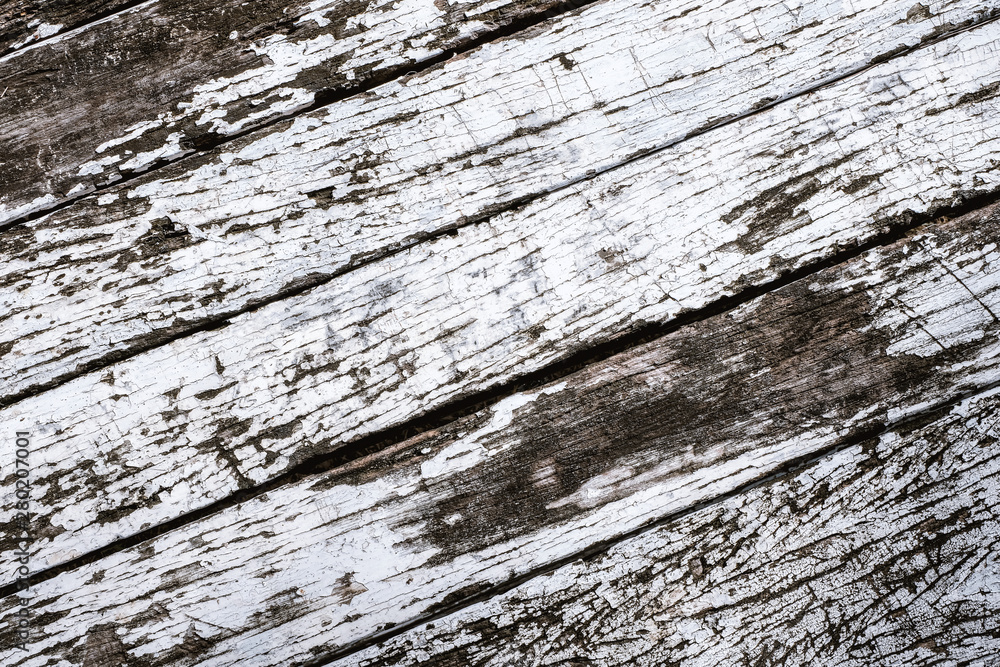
{"points": [[296, 379], [321, 565], [884, 548], [275, 212]]}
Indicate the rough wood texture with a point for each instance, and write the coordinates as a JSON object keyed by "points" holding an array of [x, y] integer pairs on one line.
{"points": [[299, 377], [884, 553], [306, 199], [154, 83], [27, 21], [544, 474]]}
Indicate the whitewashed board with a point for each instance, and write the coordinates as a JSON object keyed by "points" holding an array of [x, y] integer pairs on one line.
{"points": [[162, 79], [323, 564], [298, 378], [303, 201]]}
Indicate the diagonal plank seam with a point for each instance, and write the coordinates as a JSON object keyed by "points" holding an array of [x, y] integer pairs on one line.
{"points": [[786, 470], [451, 411], [315, 280], [326, 98], [785, 476]]}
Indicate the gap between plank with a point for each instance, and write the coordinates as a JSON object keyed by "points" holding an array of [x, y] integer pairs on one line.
{"points": [[898, 228], [183, 330], [595, 550]]}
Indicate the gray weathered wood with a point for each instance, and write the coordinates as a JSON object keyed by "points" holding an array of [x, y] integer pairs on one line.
{"points": [[242, 404], [325, 562], [27, 21], [884, 553], [155, 82], [137, 265]]}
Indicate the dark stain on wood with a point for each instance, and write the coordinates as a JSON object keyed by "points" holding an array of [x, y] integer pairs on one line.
{"points": [[227, 430], [104, 648], [988, 92], [164, 236], [918, 12], [346, 588], [778, 204], [856, 587], [194, 644], [811, 354], [860, 183]]}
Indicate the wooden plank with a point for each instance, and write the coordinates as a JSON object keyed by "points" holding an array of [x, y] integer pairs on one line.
{"points": [[320, 564], [27, 21], [468, 312], [154, 83], [886, 552], [190, 245]]}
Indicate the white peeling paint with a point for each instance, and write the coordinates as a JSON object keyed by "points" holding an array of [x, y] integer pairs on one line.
{"points": [[375, 533], [541, 269]]}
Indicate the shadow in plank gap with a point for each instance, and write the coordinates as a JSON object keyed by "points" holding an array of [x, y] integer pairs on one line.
{"points": [[381, 346], [330, 563], [884, 552]]}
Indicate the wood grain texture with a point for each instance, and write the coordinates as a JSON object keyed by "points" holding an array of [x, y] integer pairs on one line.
{"points": [[187, 245], [300, 377], [27, 21], [318, 565], [154, 83], [883, 553]]}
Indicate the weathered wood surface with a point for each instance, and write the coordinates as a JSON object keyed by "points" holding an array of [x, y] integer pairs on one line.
{"points": [[883, 553], [28, 21], [192, 244], [242, 404], [318, 565], [153, 83]]}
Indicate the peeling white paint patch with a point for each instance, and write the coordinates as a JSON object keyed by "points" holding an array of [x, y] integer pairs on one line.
{"points": [[317, 11], [934, 323], [47, 30], [95, 167], [42, 30], [468, 452], [37, 204], [169, 151], [131, 133]]}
